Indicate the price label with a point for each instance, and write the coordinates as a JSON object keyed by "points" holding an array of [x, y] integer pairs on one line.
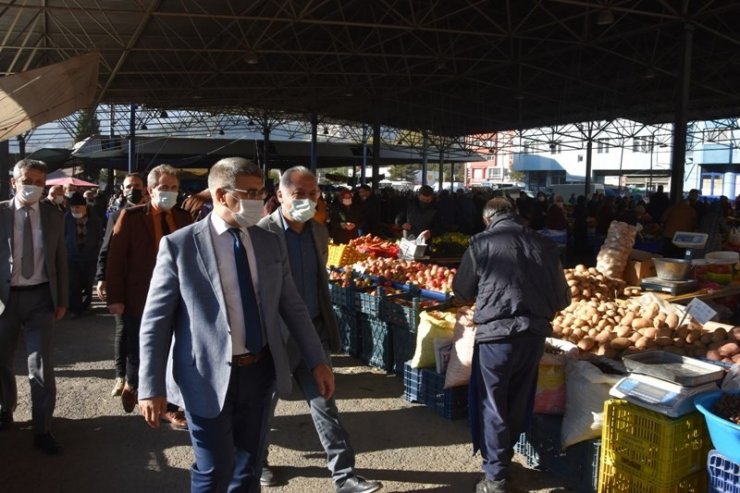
{"points": [[702, 312]]}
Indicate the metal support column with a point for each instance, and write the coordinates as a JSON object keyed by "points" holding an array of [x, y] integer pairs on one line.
{"points": [[21, 146], [314, 137], [441, 177], [678, 160], [132, 139], [589, 156], [376, 156], [112, 135], [452, 176], [266, 149], [363, 172], [424, 153]]}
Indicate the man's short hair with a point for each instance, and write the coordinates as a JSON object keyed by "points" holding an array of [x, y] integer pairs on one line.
{"points": [[498, 205], [136, 175], [285, 178], [366, 188], [426, 190], [223, 174], [154, 175], [24, 164]]}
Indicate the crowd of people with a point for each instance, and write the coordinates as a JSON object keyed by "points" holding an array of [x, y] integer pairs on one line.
{"points": [[221, 302]]}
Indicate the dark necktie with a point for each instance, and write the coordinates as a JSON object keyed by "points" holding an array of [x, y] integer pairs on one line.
{"points": [[165, 224], [252, 321], [27, 259]]}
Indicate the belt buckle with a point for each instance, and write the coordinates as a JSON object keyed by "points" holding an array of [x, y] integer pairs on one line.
{"points": [[247, 359]]}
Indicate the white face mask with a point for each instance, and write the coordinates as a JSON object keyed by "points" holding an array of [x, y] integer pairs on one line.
{"points": [[347, 201], [31, 193], [59, 199], [166, 200], [78, 215], [302, 210], [249, 213]]}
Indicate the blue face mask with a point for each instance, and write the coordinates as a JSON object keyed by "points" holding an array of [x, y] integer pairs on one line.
{"points": [[166, 200]]}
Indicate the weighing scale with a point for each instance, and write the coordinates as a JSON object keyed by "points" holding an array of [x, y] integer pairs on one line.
{"points": [[682, 239], [661, 396]]}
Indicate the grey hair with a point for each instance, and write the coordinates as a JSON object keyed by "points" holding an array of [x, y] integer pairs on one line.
{"points": [[25, 164], [152, 179], [498, 205], [301, 170], [223, 174]]}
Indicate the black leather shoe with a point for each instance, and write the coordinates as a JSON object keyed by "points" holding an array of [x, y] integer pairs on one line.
{"points": [[6, 420], [47, 443], [267, 476], [358, 484]]}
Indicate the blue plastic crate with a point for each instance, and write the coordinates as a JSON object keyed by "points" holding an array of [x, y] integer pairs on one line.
{"points": [[403, 343], [451, 403], [578, 465], [724, 475], [349, 332], [412, 383], [376, 342], [344, 297], [368, 302]]}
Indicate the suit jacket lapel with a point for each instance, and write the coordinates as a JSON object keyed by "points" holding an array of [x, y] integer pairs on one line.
{"points": [[9, 223], [207, 258], [149, 224], [44, 221]]}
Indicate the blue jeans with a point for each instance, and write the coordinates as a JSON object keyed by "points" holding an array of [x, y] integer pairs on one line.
{"points": [[506, 383], [228, 447]]}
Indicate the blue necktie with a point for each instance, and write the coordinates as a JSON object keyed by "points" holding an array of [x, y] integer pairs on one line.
{"points": [[252, 321]]}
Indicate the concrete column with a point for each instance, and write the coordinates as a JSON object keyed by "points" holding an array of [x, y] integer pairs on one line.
{"points": [[314, 133], [728, 185]]}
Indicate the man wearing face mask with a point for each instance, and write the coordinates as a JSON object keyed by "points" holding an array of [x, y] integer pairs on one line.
{"points": [[82, 233], [307, 244], [134, 194], [55, 197], [33, 295], [131, 258], [420, 217], [219, 291]]}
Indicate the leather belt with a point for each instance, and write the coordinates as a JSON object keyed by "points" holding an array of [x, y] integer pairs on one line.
{"points": [[247, 359], [29, 288]]}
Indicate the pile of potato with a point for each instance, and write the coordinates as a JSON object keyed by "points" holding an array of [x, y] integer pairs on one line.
{"points": [[614, 252], [588, 284], [615, 328]]}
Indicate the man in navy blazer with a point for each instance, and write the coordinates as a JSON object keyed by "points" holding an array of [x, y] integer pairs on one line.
{"points": [[219, 289]]}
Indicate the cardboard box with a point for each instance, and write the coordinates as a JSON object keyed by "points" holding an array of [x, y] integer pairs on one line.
{"points": [[410, 250], [639, 266]]}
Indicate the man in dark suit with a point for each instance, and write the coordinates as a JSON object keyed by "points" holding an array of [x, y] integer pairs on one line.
{"points": [[307, 244], [134, 193], [220, 288], [33, 294], [131, 258], [83, 233]]}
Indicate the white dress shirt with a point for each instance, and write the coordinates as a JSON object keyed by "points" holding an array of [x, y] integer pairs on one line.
{"points": [[39, 264], [223, 244]]}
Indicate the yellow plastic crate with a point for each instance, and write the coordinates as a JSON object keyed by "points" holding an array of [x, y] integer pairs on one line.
{"points": [[614, 480], [651, 448], [342, 255]]}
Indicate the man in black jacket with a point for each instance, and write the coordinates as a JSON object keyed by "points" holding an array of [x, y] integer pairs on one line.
{"points": [[515, 277]]}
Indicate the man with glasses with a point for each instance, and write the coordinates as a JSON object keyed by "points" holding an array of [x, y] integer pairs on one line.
{"points": [[211, 338], [131, 258], [307, 244]]}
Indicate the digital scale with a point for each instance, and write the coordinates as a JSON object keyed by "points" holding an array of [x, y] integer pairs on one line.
{"points": [[661, 396], [682, 239]]}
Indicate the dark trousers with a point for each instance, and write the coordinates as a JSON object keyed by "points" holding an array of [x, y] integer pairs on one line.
{"points": [[81, 277], [506, 383], [30, 314], [120, 350], [131, 328], [228, 447]]}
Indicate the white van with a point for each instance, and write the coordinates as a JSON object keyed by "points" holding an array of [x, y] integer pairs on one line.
{"points": [[565, 190]]}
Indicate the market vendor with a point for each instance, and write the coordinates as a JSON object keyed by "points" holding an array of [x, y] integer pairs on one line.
{"points": [[515, 278], [420, 217]]}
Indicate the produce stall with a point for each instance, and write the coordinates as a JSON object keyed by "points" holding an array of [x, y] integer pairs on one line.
{"points": [[398, 315]]}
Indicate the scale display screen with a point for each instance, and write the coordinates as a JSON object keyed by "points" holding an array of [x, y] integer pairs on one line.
{"points": [[687, 239]]}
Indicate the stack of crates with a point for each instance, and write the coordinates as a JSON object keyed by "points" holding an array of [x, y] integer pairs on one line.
{"points": [[724, 475], [644, 451]]}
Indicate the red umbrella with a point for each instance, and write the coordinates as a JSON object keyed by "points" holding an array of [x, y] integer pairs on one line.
{"points": [[70, 180]]}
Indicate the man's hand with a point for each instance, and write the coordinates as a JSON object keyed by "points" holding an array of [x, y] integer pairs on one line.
{"points": [[152, 409], [100, 288], [324, 378], [116, 308], [349, 226], [59, 312], [406, 226], [426, 234]]}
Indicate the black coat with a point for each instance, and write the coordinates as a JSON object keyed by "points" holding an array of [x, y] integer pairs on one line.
{"points": [[514, 275]]}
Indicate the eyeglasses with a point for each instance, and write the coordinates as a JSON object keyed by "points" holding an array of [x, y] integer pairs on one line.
{"points": [[251, 194]]}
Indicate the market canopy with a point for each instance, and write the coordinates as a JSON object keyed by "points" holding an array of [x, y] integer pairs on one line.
{"points": [[70, 180], [454, 67]]}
